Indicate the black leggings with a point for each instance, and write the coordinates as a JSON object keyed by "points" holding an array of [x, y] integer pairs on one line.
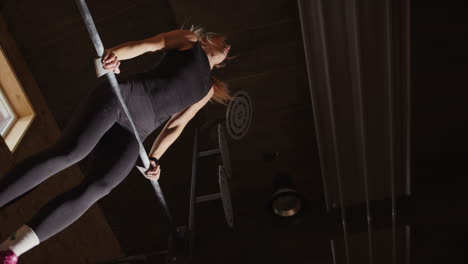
{"points": [[93, 125]]}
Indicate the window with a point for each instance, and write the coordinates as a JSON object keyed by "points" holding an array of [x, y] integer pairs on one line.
{"points": [[16, 113], [7, 115]]}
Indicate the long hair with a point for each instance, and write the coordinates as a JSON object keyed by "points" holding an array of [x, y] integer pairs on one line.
{"points": [[221, 91]]}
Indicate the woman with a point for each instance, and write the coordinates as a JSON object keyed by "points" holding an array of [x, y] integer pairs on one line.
{"points": [[176, 89]]}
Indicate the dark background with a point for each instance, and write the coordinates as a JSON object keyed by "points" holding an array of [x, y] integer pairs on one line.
{"points": [[439, 38]]}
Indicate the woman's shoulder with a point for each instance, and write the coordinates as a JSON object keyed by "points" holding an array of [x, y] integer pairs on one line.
{"points": [[190, 39], [178, 40]]}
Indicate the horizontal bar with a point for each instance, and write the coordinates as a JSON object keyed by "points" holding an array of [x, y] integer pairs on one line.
{"points": [[207, 198], [207, 153]]}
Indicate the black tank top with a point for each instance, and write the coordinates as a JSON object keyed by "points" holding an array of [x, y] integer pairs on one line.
{"points": [[179, 80]]}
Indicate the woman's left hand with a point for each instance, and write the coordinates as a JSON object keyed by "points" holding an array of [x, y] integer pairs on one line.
{"points": [[154, 171]]}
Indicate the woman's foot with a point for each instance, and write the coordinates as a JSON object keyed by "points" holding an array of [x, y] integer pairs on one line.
{"points": [[8, 257]]}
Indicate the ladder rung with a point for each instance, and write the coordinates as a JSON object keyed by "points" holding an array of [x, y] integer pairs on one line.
{"points": [[207, 153], [207, 198]]}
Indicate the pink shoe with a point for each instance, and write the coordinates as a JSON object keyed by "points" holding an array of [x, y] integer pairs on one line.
{"points": [[8, 257]]}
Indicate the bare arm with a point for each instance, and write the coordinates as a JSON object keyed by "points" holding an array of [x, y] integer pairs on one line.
{"points": [[175, 39], [175, 125]]}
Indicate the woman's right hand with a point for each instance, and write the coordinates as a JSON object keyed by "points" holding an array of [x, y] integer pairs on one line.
{"points": [[110, 62], [154, 171]]}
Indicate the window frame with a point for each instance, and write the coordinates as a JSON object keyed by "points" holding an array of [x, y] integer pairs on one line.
{"points": [[7, 111]]}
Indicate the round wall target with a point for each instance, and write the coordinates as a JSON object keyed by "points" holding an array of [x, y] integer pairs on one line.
{"points": [[239, 115]]}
